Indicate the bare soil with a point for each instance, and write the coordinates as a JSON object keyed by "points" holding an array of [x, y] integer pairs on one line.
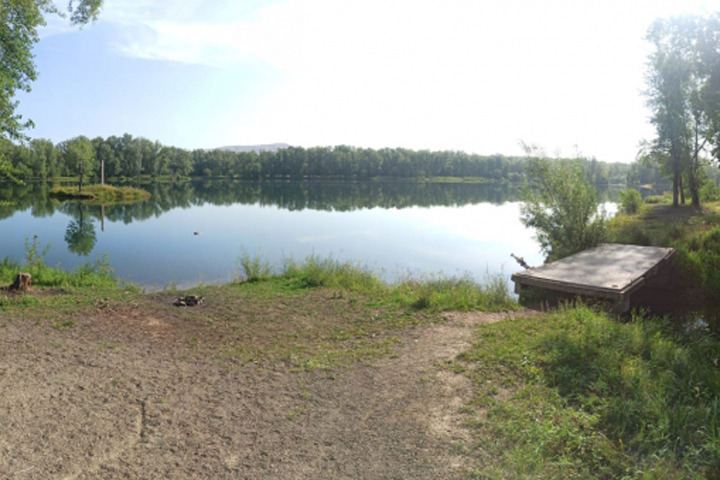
{"points": [[129, 390]]}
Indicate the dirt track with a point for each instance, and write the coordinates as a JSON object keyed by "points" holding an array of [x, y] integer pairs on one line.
{"points": [[125, 395]]}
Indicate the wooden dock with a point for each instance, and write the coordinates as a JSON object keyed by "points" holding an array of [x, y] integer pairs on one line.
{"points": [[608, 272]]}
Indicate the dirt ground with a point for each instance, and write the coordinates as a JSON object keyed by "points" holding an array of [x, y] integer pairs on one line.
{"points": [[122, 393]]}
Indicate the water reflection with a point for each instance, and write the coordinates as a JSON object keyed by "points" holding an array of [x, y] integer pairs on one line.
{"points": [[292, 196], [394, 227], [80, 233]]}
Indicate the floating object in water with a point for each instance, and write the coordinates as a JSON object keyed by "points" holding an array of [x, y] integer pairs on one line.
{"points": [[196, 233]]}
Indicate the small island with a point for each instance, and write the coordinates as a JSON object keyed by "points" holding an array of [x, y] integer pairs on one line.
{"points": [[100, 193]]}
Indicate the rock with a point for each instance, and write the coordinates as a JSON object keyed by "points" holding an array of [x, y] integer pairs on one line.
{"points": [[22, 282]]}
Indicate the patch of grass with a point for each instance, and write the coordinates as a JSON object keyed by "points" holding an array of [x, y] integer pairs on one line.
{"points": [[665, 199], [254, 269], [328, 272], [699, 258], [589, 397], [625, 229], [435, 293], [465, 294], [101, 193], [57, 291]]}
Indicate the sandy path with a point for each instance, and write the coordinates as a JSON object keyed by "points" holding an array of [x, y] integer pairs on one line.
{"points": [[84, 403]]}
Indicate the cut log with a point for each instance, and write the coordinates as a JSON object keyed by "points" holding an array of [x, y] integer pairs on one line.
{"points": [[22, 282]]}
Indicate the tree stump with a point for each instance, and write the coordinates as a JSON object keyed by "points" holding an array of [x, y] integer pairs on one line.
{"points": [[21, 283]]}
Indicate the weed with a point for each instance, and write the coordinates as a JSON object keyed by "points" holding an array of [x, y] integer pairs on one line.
{"points": [[33, 253], [255, 269]]}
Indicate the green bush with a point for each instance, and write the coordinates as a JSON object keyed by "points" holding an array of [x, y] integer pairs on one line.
{"points": [[561, 206], [709, 191], [630, 201]]}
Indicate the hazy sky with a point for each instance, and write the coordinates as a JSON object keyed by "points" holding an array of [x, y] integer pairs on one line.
{"points": [[472, 75]]}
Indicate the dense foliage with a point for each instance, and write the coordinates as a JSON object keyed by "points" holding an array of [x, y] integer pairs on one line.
{"points": [[683, 94], [561, 206], [630, 201], [129, 157], [19, 21]]}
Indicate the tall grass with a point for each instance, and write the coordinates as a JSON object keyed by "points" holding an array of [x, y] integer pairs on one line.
{"points": [[433, 293], [595, 398], [315, 271], [254, 269], [699, 258]]}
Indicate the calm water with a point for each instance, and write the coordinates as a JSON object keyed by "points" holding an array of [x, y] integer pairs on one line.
{"points": [[394, 228]]}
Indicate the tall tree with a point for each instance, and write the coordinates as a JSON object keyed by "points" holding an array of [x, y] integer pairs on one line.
{"points": [[79, 157], [19, 21], [684, 95]]}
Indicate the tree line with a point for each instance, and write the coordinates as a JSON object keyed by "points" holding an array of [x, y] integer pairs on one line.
{"points": [[127, 157]]}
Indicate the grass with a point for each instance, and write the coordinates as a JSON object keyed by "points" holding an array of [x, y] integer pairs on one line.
{"points": [[60, 291], [436, 293], [577, 394], [101, 193], [95, 274], [695, 234]]}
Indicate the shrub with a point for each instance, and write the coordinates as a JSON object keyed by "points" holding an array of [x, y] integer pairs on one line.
{"points": [[630, 201], [709, 191], [561, 205]]}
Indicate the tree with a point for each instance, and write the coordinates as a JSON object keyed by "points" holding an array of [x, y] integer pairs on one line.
{"points": [[560, 205], [79, 157], [19, 21], [684, 95]]}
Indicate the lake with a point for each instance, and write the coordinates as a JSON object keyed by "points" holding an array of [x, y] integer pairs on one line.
{"points": [[397, 229]]}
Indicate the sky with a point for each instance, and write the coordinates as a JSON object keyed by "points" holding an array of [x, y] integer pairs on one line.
{"points": [[473, 75]]}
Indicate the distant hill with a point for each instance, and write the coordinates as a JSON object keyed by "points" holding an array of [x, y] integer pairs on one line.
{"points": [[271, 147]]}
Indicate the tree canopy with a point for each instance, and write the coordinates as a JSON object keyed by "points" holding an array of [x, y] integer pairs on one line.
{"points": [[683, 94], [19, 23]]}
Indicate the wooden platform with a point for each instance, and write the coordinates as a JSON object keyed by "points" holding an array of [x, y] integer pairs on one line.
{"points": [[607, 272]]}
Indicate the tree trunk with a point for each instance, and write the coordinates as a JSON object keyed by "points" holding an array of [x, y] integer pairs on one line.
{"points": [[682, 191], [80, 182]]}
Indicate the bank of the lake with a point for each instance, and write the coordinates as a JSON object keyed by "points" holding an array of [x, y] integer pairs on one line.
{"points": [[567, 394]]}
